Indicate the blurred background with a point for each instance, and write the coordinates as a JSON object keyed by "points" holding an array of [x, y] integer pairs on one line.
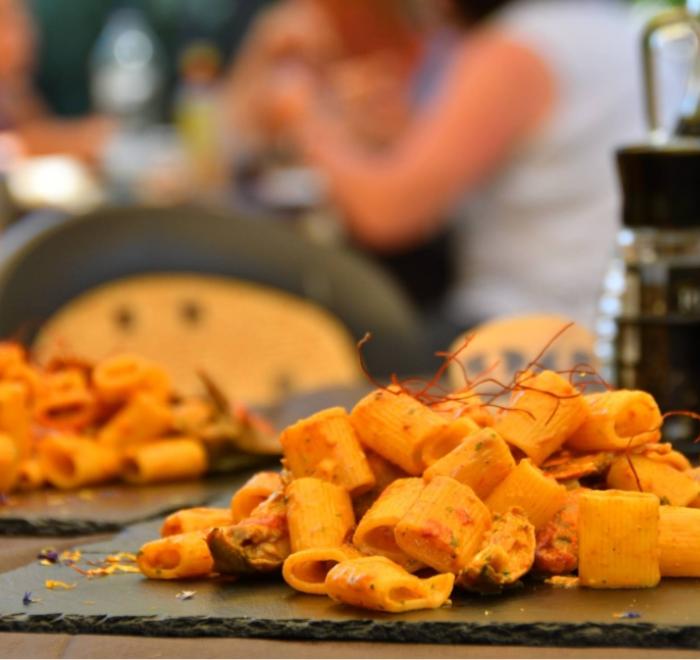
{"points": [[337, 119]]}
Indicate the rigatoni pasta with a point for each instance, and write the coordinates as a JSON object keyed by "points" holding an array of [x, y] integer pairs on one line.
{"points": [[169, 459], [445, 527], [253, 493], [671, 486], [325, 445], [528, 487], [176, 557], [375, 532], [543, 412], [73, 462], [319, 514], [618, 539], [306, 570], [679, 541], [396, 426], [194, 519], [482, 461], [377, 583], [617, 420]]}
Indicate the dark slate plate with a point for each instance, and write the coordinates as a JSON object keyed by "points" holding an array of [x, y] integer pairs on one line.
{"points": [[109, 508], [537, 614]]}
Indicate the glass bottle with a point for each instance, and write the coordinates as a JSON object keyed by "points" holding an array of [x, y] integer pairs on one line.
{"points": [[648, 329], [127, 69]]}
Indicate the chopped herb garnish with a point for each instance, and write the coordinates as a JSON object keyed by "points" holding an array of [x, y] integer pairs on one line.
{"points": [[664, 500], [564, 539]]}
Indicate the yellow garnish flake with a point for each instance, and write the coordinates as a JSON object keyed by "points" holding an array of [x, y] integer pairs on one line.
{"points": [[121, 556], [71, 555], [57, 584], [563, 581]]}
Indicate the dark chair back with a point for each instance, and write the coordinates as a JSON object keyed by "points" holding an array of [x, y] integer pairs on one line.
{"points": [[48, 259]]}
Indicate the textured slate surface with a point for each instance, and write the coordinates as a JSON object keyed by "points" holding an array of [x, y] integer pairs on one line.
{"points": [[537, 614], [110, 508]]}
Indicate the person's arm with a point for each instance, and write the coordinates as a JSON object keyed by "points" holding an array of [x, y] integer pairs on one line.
{"points": [[496, 94]]}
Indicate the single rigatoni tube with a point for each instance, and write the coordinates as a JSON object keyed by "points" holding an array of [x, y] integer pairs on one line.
{"points": [[481, 462], [616, 421], [671, 486], [143, 419], [325, 445], [679, 541], [65, 401], [528, 487], [306, 570], [319, 514], [15, 416], [166, 460], [119, 377], [9, 460], [72, 461], [544, 410], [377, 583], [445, 527], [396, 426], [375, 532], [445, 440], [176, 557], [191, 520], [618, 539], [30, 474], [253, 493]]}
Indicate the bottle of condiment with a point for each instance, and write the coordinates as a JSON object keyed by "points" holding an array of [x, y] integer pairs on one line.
{"points": [[649, 324], [127, 69]]}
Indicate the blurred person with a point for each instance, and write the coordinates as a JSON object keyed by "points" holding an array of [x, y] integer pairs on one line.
{"points": [[519, 136], [21, 109], [362, 54], [374, 64]]}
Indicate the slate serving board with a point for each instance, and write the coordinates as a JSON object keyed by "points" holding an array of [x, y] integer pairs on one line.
{"points": [[109, 508], [537, 614]]}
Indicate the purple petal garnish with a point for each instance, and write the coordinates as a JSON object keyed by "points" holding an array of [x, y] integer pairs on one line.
{"points": [[27, 598], [630, 614], [49, 555]]}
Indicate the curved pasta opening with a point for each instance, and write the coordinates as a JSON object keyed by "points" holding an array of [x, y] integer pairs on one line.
{"points": [[381, 539], [434, 451], [313, 572], [404, 595]]}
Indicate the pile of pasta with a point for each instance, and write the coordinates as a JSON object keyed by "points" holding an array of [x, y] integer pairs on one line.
{"points": [[392, 505], [72, 425]]}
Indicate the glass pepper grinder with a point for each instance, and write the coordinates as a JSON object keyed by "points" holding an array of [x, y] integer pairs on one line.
{"points": [[648, 327]]}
